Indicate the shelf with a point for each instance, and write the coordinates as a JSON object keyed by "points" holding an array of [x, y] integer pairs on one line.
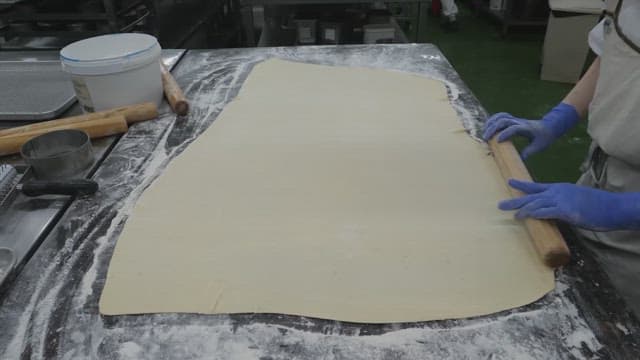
{"points": [[55, 17]]}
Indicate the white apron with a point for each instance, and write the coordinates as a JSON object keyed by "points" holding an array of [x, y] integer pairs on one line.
{"points": [[614, 160]]}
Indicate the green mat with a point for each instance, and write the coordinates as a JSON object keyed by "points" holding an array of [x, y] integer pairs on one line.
{"points": [[504, 73]]}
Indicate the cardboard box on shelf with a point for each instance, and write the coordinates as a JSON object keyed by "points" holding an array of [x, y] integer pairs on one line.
{"points": [[566, 45]]}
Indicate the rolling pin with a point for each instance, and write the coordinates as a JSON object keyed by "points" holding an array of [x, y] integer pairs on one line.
{"points": [[132, 114], [173, 93], [115, 124], [545, 235]]}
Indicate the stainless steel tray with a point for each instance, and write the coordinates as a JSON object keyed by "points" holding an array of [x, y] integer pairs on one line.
{"points": [[33, 90]]}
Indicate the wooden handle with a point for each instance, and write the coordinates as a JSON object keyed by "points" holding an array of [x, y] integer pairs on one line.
{"points": [[116, 124], [136, 113], [174, 94], [132, 114], [545, 235]]}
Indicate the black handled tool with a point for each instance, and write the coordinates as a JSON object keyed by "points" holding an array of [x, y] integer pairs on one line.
{"points": [[75, 187], [9, 180]]}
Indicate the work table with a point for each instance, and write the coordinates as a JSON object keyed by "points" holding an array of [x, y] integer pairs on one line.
{"points": [[51, 309]]}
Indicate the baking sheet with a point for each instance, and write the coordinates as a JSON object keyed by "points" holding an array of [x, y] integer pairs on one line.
{"points": [[33, 91]]}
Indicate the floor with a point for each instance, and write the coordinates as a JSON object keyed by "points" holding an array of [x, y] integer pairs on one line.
{"points": [[503, 72]]}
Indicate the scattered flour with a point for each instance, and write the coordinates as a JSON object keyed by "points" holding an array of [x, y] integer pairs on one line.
{"points": [[546, 331]]}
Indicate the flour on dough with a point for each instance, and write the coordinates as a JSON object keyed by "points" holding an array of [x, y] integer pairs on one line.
{"points": [[330, 192]]}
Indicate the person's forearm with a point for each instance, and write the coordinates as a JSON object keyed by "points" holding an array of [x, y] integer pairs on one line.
{"points": [[582, 93]]}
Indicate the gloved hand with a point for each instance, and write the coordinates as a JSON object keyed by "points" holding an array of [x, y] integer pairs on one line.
{"points": [[541, 133], [581, 206]]}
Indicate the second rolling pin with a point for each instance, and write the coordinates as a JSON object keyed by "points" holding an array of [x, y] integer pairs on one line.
{"points": [[132, 114], [112, 125], [174, 94]]}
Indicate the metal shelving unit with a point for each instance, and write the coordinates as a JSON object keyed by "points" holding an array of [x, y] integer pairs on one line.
{"points": [[246, 9], [26, 21], [272, 36], [52, 24]]}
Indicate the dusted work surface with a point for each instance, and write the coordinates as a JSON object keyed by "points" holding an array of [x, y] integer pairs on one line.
{"points": [[361, 189], [26, 221], [51, 311]]}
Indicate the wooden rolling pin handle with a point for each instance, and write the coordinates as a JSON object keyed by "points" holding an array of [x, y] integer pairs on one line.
{"points": [[181, 107], [172, 91], [137, 113], [94, 128], [132, 113], [545, 235]]}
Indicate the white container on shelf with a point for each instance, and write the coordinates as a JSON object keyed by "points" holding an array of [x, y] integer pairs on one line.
{"points": [[115, 70]]}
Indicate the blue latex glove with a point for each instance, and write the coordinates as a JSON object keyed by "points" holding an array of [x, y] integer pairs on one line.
{"points": [[541, 132], [581, 206]]}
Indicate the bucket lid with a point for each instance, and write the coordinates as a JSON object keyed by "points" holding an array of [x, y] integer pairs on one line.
{"points": [[108, 54]]}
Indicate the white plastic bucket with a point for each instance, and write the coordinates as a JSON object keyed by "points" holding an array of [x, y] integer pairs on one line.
{"points": [[115, 70]]}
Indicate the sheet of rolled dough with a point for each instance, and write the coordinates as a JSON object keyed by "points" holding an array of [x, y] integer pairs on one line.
{"points": [[338, 193]]}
